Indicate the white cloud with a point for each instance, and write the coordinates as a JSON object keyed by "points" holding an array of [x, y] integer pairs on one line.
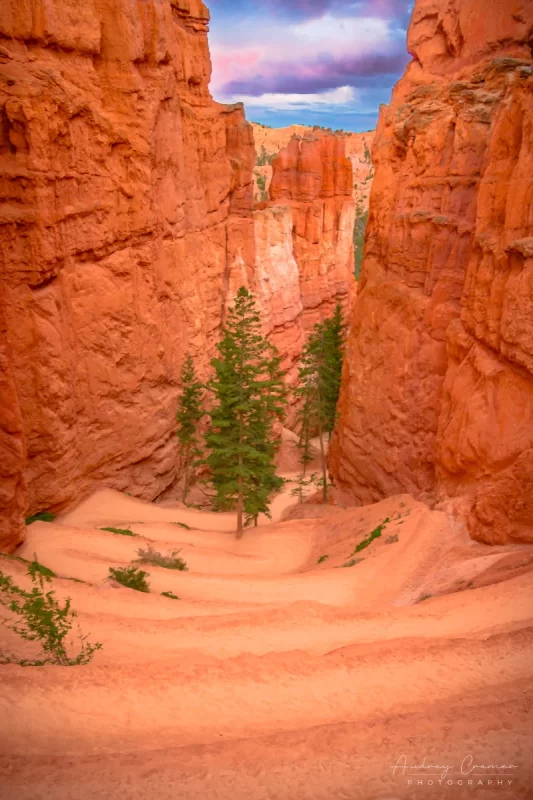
{"points": [[341, 98], [335, 32]]}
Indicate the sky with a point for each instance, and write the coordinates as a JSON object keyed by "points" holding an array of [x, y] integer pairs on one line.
{"points": [[312, 62]]}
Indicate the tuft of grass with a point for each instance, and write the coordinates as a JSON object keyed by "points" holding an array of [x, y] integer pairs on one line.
{"points": [[170, 594], [41, 516], [375, 534], [321, 559], [352, 562], [120, 531], [170, 561], [183, 525], [392, 539], [131, 577], [424, 597]]}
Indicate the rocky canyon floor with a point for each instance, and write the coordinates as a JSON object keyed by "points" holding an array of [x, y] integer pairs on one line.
{"points": [[278, 673]]}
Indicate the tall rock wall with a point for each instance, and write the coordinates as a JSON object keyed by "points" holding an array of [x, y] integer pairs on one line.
{"points": [[437, 394], [126, 200], [313, 178]]}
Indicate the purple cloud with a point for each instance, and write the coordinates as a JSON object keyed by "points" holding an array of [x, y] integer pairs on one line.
{"points": [[319, 75]]}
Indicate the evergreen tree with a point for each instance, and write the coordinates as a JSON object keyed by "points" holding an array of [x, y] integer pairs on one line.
{"points": [[314, 408], [249, 395], [319, 386], [188, 416], [331, 368]]}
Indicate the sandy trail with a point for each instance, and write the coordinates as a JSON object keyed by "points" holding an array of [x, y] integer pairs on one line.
{"points": [[279, 673]]}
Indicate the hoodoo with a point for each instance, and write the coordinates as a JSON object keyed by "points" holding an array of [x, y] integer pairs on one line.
{"points": [[437, 395]]}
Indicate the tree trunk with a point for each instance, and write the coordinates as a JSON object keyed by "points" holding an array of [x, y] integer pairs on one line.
{"points": [[239, 512], [324, 467], [186, 485]]}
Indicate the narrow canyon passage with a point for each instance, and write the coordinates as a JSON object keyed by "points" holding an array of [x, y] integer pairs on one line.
{"points": [[278, 673]]}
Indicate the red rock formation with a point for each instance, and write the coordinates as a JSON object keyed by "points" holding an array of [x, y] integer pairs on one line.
{"points": [[127, 199], [313, 177], [438, 385]]}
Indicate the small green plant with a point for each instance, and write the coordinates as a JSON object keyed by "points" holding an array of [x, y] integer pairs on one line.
{"points": [[170, 561], [322, 559], [392, 539], [40, 568], [131, 577], [41, 516], [170, 594], [120, 531], [183, 525], [423, 597], [375, 534], [352, 562], [36, 616]]}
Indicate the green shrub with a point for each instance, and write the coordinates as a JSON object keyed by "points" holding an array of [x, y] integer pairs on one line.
{"points": [[321, 559], [170, 561], [120, 531], [41, 516], [171, 595], [36, 616], [375, 534], [183, 525], [131, 577]]}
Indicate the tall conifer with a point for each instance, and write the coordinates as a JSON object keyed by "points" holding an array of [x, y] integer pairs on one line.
{"points": [[248, 396], [188, 416]]}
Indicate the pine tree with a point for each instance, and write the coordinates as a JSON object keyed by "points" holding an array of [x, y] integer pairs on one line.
{"points": [[188, 416], [319, 386], [331, 368], [313, 411], [248, 396]]}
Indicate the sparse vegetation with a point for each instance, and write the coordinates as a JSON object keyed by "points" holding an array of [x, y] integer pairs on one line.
{"points": [[301, 484], [120, 531], [375, 534], [322, 559], [361, 218], [392, 539], [170, 561], [36, 616], [130, 577], [170, 594], [352, 562], [423, 597], [41, 516], [188, 417], [46, 572], [184, 524]]}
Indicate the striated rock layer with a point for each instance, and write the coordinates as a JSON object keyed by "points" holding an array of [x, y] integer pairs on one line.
{"points": [[127, 198], [313, 178], [126, 226], [437, 392]]}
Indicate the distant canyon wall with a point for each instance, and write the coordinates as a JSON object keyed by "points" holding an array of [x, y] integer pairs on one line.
{"points": [[126, 224], [437, 395]]}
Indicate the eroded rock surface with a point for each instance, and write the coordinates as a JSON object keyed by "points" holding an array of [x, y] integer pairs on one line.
{"points": [[127, 200], [437, 395], [313, 177]]}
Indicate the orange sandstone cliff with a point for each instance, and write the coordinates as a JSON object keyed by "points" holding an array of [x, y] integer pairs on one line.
{"points": [[437, 395], [312, 178], [126, 226], [126, 199]]}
